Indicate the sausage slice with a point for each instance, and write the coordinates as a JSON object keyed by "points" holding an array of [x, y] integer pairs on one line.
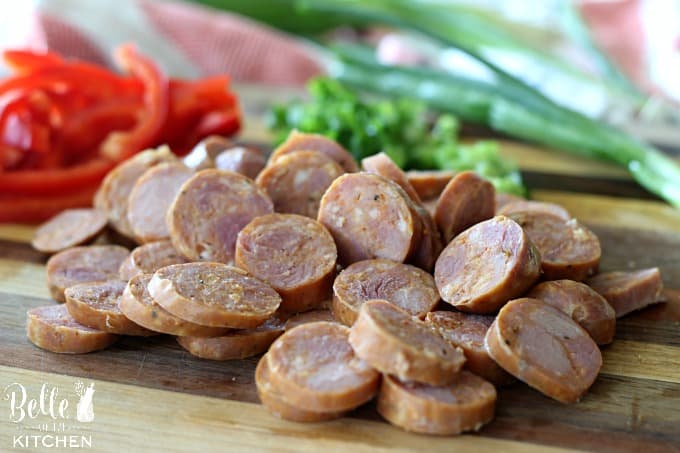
{"points": [[148, 258], [629, 291], [203, 155], [429, 184], [209, 211], [431, 242], [296, 255], [584, 305], [514, 207], [501, 199], [542, 346], [150, 198], [370, 217], [467, 331], [297, 181], [54, 329], [393, 342], [82, 265], [466, 404], [213, 294], [568, 249], [237, 344], [112, 196], [381, 164], [137, 304], [69, 228], [466, 200], [316, 369], [300, 141], [405, 286], [96, 305], [245, 161], [275, 401], [309, 316], [487, 265]]}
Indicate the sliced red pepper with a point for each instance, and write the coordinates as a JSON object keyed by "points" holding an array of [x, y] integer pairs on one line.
{"points": [[25, 61], [35, 209], [121, 145]]}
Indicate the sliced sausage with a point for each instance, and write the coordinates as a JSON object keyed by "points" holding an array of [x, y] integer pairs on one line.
{"points": [[381, 164], [209, 211], [213, 294], [82, 265], [296, 255], [405, 286], [466, 200], [430, 244], [501, 199], [69, 228], [585, 306], [487, 265], [148, 258], [568, 249], [316, 369], [429, 184], [542, 346], [533, 206], [370, 217], [393, 342], [309, 316], [54, 329], [629, 291], [112, 196], [137, 304], [275, 401], [300, 141], [203, 155], [297, 181], [237, 344], [150, 198], [466, 404], [467, 331], [245, 161], [96, 305], [431, 206]]}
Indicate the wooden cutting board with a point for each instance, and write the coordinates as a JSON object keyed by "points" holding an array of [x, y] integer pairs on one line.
{"points": [[151, 395]]}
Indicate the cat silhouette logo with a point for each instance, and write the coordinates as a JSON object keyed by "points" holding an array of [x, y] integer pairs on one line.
{"points": [[85, 407]]}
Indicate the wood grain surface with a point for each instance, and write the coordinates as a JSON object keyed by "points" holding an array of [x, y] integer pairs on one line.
{"points": [[153, 396]]}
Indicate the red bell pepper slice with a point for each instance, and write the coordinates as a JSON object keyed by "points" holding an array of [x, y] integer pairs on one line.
{"points": [[35, 209]]}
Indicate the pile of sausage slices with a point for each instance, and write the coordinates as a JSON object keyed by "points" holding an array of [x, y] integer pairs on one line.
{"points": [[425, 290]]}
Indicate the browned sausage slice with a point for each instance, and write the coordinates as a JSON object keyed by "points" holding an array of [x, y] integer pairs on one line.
{"points": [[466, 404], [112, 196], [585, 306], [296, 255], [534, 206], [52, 328], [213, 294], [299, 141], [309, 316], [487, 265], [466, 200], [209, 211], [316, 369], [393, 342], [245, 161], [370, 217], [431, 243], [96, 305], [82, 265], [501, 199], [568, 249], [542, 346], [297, 181], [467, 331], [237, 344], [381, 164], [275, 401], [629, 291], [405, 286], [203, 155], [429, 184], [148, 258], [137, 304], [150, 198], [69, 228]]}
